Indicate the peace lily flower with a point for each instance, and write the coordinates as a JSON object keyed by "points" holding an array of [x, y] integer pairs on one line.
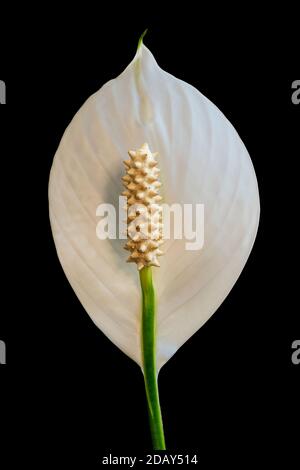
{"points": [[202, 159]]}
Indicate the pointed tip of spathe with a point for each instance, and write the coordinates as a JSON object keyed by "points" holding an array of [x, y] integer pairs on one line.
{"points": [[140, 42]]}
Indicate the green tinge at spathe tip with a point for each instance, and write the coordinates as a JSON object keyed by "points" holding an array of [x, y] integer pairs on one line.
{"points": [[141, 38]]}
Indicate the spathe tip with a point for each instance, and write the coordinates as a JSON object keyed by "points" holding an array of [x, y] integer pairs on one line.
{"points": [[140, 42]]}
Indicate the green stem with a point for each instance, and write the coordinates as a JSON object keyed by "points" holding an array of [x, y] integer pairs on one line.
{"points": [[149, 358]]}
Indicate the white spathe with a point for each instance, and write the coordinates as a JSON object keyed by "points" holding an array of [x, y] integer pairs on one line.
{"points": [[202, 160]]}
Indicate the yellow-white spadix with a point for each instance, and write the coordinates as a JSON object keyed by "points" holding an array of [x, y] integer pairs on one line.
{"points": [[144, 213]]}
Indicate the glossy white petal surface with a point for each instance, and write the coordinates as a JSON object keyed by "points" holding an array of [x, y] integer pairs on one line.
{"points": [[202, 160]]}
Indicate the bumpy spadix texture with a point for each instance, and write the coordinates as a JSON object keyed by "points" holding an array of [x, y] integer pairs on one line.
{"points": [[202, 160], [144, 214]]}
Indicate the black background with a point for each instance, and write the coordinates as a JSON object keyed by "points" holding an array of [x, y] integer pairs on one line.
{"points": [[68, 396]]}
